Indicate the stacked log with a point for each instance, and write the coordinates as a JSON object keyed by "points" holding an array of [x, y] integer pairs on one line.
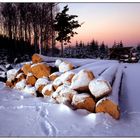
{"points": [[81, 88], [110, 104]]}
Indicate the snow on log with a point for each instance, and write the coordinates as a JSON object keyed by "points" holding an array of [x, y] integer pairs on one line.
{"points": [[64, 94], [81, 80], [83, 101], [64, 78], [54, 75], [58, 62], [20, 85], [29, 90], [20, 76], [99, 88], [109, 74], [48, 90], [110, 104], [67, 77], [41, 83], [11, 74], [96, 67], [57, 82], [65, 66]]}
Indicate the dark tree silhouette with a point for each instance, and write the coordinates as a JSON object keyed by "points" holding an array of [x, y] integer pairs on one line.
{"points": [[102, 47], [114, 45], [64, 25], [117, 45], [31, 22], [121, 44], [94, 45]]}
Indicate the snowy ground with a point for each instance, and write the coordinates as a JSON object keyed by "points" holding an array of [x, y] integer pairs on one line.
{"points": [[22, 115]]}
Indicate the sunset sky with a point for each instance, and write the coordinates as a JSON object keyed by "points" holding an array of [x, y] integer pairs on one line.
{"points": [[107, 22]]}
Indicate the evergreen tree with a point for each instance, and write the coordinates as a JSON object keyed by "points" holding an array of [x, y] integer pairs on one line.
{"points": [[64, 25], [81, 44], [138, 49], [114, 45], [92, 45], [121, 44], [102, 47], [88, 44], [76, 44]]}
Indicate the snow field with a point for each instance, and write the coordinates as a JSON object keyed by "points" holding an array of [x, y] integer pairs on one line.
{"points": [[30, 116]]}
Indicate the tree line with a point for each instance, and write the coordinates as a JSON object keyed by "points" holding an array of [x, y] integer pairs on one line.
{"points": [[15, 49], [90, 50], [39, 24], [31, 22], [37, 27]]}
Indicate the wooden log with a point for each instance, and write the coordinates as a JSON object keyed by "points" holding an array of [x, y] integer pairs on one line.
{"points": [[41, 69], [26, 68], [36, 58], [81, 80], [96, 67], [83, 101], [110, 104], [101, 86], [20, 77], [64, 94], [54, 75], [65, 66], [48, 90], [30, 79]]}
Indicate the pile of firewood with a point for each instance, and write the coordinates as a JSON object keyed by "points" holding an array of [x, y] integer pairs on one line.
{"points": [[80, 90]]}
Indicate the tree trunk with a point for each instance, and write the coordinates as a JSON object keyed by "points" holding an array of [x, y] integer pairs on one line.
{"points": [[62, 48], [46, 39], [25, 32], [52, 27], [41, 38], [29, 32], [35, 39], [21, 35], [10, 30]]}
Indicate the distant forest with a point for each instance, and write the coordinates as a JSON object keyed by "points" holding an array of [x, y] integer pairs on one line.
{"points": [[27, 28]]}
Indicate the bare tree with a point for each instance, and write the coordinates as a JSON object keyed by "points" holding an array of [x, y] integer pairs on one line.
{"points": [[32, 22]]}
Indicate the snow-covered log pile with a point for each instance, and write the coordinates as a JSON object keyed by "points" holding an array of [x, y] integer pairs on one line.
{"points": [[61, 84]]}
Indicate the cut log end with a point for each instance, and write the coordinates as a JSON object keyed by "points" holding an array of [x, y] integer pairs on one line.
{"points": [[30, 80], [53, 77], [26, 68], [41, 70], [36, 58], [40, 88], [87, 103], [9, 84], [48, 93], [108, 106]]}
